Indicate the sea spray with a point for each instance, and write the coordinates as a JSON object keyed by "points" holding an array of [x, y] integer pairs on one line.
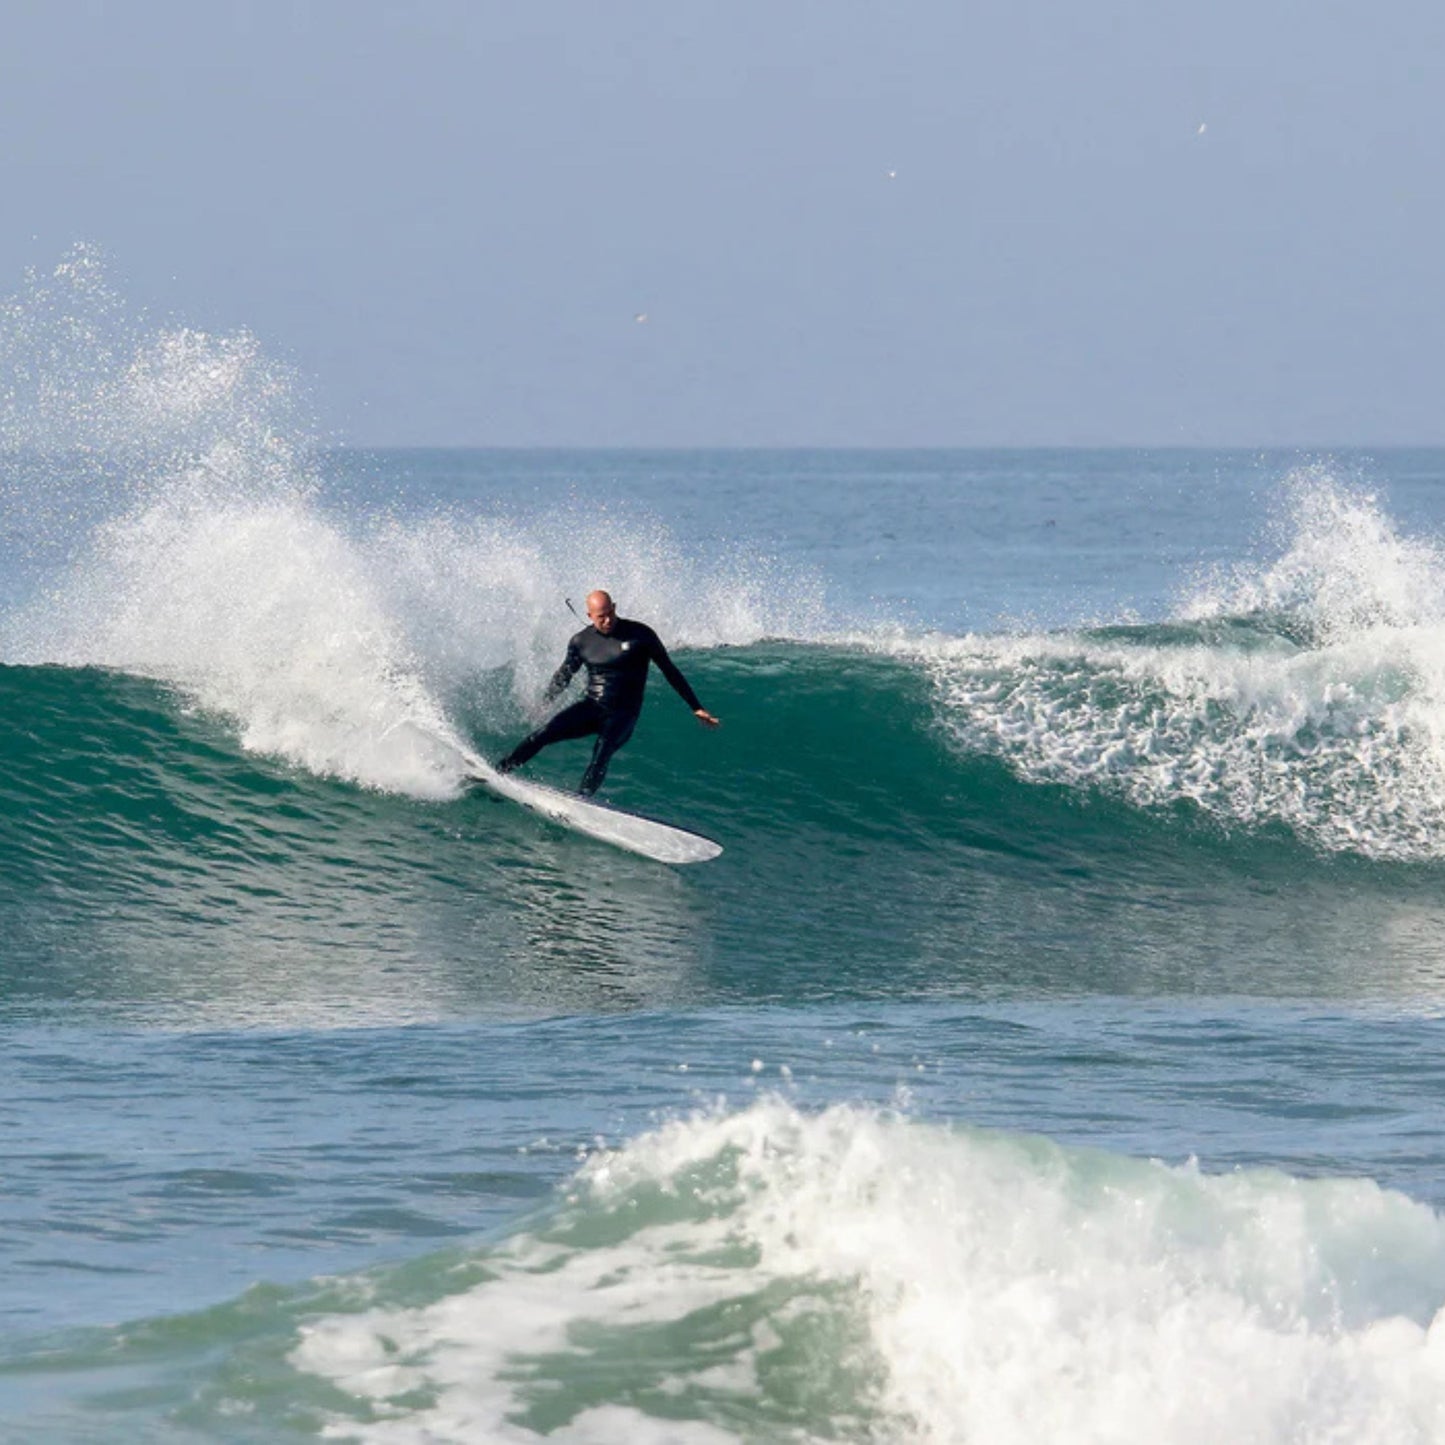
{"points": [[103, 397], [346, 646], [1342, 567]]}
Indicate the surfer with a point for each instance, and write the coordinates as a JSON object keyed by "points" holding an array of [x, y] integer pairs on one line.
{"points": [[616, 652]]}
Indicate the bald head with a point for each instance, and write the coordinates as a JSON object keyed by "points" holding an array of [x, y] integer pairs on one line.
{"points": [[600, 611]]}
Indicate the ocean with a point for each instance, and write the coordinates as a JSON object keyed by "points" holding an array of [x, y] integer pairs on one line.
{"points": [[1053, 1054]]}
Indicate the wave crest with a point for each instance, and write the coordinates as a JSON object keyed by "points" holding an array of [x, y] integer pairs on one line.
{"points": [[1307, 693]]}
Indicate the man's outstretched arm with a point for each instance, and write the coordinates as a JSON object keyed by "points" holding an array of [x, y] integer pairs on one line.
{"points": [[680, 685]]}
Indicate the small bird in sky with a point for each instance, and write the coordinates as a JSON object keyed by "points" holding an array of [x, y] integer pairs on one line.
{"points": [[892, 175], [1203, 126], [640, 317]]}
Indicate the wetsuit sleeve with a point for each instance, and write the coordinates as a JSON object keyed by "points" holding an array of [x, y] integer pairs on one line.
{"points": [[668, 668], [565, 673]]}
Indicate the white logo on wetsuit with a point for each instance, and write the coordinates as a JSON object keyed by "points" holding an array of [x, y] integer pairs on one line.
{"points": [[624, 645]]}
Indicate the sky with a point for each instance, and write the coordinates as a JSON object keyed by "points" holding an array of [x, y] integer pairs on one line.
{"points": [[787, 223]]}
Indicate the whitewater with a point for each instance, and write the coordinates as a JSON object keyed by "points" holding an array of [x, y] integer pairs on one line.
{"points": [[1052, 1053]]}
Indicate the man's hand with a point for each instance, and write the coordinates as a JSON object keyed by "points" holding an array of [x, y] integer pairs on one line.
{"points": [[706, 718]]}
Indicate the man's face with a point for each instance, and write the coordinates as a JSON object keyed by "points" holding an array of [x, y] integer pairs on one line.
{"points": [[602, 617]]}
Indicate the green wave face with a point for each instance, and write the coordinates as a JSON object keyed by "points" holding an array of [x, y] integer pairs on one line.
{"points": [[945, 817]]}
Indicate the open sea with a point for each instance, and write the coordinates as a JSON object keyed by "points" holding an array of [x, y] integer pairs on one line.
{"points": [[1055, 1053]]}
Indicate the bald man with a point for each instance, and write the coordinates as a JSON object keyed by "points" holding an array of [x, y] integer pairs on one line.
{"points": [[616, 652]]}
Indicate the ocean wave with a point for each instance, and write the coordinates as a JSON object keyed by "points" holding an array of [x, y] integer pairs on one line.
{"points": [[855, 1274], [1302, 693], [847, 1274]]}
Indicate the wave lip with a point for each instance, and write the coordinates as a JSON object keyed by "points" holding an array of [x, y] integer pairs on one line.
{"points": [[852, 1274]]}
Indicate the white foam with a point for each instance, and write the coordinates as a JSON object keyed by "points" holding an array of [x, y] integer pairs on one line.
{"points": [[263, 613], [932, 1284]]}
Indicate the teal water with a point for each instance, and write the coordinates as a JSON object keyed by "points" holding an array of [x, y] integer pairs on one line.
{"points": [[1051, 1054]]}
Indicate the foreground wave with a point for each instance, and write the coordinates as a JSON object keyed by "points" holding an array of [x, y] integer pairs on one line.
{"points": [[850, 1275]]}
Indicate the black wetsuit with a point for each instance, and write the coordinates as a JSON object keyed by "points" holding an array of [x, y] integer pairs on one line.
{"points": [[616, 666]]}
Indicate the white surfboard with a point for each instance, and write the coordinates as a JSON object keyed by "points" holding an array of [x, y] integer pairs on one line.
{"points": [[624, 830]]}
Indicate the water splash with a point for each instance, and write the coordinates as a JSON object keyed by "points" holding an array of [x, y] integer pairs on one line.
{"points": [[99, 389], [1343, 571]]}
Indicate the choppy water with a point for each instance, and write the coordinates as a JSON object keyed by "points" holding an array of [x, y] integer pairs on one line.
{"points": [[1052, 1054]]}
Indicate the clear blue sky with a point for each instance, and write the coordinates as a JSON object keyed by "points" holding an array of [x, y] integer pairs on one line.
{"points": [[449, 213]]}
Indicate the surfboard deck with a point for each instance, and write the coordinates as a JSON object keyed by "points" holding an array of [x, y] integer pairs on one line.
{"points": [[632, 831]]}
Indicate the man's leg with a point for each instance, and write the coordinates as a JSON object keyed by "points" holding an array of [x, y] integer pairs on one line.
{"points": [[615, 730], [577, 721]]}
